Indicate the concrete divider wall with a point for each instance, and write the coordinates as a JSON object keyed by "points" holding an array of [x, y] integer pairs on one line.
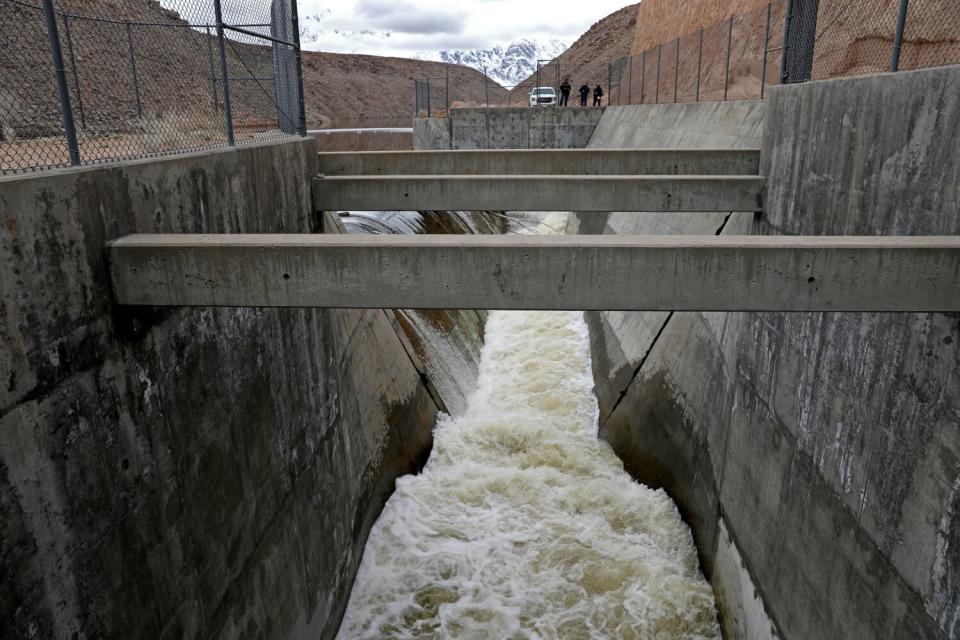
{"points": [[508, 128], [363, 139], [817, 456], [431, 133], [205, 473]]}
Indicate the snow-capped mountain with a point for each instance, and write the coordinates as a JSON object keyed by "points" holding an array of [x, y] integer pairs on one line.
{"points": [[507, 65]]}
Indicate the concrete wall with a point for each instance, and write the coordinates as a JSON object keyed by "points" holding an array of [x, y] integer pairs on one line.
{"points": [[508, 128], [578, 162], [693, 125], [431, 133], [206, 473], [817, 456], [363, 139]]}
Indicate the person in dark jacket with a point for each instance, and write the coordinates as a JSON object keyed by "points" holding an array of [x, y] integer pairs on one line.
{"points": [[598, 96], [565, 92], [584, 94]]}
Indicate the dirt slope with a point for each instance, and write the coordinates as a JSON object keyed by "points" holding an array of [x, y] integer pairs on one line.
{"points": [[358, 90], [177, 73], [853, 37]]}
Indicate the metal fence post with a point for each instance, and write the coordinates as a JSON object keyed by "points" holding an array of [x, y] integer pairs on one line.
{"points": [[60, 74], [486, 88], [766, 50], [213, 76], [428, 98], [446, 99], [610, 80], [699, 63], [536, 96], [643, 76], [726, 69], [295, 25], [787, 23], [898, 37], [224, 76], [73, 67], [800, 46], [659, 51], [630, 81], [676, 72], [133, 70], [621, 65]]}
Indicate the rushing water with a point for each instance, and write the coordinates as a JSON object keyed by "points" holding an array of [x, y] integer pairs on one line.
{"points": [[523, 524]]}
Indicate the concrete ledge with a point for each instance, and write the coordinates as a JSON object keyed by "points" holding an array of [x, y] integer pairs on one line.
{"points": [[538, 193], [710, 273], [362, 139], [544, 162]]}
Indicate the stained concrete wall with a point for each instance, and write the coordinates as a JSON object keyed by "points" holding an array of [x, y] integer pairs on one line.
{"points": [[508, 128], [206, 473], [431, 133], [817, 456], [693, 125]]}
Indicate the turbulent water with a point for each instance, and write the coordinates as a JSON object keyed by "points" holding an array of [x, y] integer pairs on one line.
{"points": [[523, 524]]}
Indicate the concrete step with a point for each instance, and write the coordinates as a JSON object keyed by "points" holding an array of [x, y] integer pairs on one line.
{"points": [[649, 273], [538, 193], [544, 162]]}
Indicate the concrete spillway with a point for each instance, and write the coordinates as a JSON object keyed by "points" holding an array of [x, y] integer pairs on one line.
{"points": [[214, 473], [523, 524]]}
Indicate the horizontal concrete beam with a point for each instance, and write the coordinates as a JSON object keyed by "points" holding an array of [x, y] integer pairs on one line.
{"points": [[545, 162], [669, 273], [538, 193]]}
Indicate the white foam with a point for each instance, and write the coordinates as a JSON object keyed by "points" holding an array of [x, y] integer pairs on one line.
{"points": [[523, 524]]}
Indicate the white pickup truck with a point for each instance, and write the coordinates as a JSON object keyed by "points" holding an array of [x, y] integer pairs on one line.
{"points": [[543, 97]]}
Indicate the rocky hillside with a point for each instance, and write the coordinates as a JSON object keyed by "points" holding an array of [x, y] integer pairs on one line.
{"points": [[587, 59], [177, 77], [659, 21], [346, 90], [853, 37]]}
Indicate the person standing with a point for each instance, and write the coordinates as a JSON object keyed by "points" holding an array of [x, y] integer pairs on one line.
{"points": [[584, 94], [598, 96], [565, 92]]}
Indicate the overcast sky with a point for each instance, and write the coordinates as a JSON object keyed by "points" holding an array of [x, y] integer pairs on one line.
{"points": [[405, 27]]}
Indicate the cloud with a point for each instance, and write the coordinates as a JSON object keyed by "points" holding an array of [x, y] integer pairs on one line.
{"points": [[404, 17], [425, 26]]}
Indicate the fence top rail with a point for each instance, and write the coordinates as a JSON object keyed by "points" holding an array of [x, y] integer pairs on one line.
{"points": [[182, 24]]}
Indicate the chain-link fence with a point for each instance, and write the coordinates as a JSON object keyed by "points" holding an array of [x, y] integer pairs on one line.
{"points": [[431, 97], [87, 81], [856, 37], [739, 58], [736, 59]]}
